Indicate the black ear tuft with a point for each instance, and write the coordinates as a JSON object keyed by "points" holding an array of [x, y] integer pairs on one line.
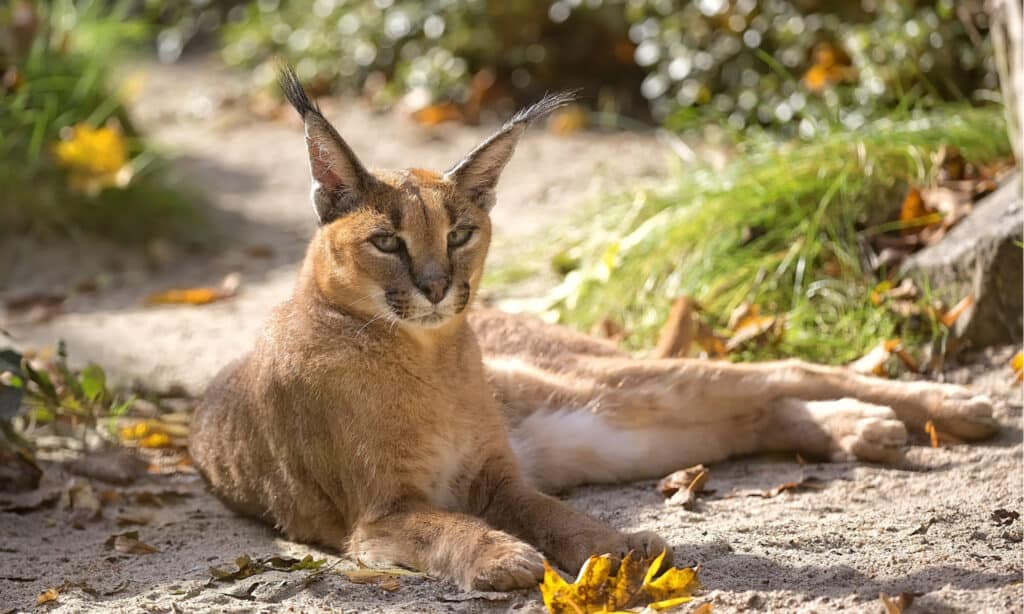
{"points": [[339, 178], [294, 91], [544, 106], [477, 174]]}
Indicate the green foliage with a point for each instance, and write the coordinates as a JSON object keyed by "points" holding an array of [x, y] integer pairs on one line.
{"points": [[785, 63], [53, 393], [781, 226], [55, 64]]}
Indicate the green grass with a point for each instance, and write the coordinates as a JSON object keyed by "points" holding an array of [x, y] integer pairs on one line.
{"points": [[60, 77], [807, 204]]}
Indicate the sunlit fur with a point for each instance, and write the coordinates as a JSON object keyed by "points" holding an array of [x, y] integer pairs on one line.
{"points": [[421, 208], [369, 419]]}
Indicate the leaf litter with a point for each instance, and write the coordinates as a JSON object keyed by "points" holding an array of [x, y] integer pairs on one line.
{"points": [[228, 288], [682, 487], [247, 567], [634, 584]]}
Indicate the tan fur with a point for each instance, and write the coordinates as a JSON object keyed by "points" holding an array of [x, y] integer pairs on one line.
{"points": [[372, 420]]}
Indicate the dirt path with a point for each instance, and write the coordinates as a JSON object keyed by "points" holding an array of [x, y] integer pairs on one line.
{"points": [[924, 528]]}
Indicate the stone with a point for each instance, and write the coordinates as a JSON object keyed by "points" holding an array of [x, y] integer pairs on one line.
{"points": [[981, 256]]}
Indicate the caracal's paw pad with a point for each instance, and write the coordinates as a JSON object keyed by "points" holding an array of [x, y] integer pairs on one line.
{"points": [[960, 412], [863, 431], [507, 566]]}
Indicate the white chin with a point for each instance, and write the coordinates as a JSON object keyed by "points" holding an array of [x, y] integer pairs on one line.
{"points": [[431, 320]]}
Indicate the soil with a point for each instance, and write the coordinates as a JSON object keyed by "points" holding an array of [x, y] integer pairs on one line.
{"points": [[927, 527]]}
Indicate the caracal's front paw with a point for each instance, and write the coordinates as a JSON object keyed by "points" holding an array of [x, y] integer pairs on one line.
{"points": [[506, 565], [645, 544], [861, 431], [958, 411]]}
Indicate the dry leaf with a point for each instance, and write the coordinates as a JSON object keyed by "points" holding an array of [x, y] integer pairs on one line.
{"points": [[390, 584], [435, 114], [873, 363], [683, 486], [596, 589], [915, 215], [950, 317], [197, 296], [1017, 364], [46, 596], [747, 324], [679, 330], [80, 499], [712, 345], [938, 438], [35, 308], [247, 567], [568, 120], [610, 329], [704, 608], [129, 543], [897, 604], [806, 483]]}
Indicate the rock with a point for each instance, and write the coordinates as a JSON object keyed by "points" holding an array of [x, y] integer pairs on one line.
{"points": [[981, 256], [18, 471], [115, 466]]}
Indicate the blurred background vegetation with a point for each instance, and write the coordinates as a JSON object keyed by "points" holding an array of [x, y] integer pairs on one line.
{"points": [[832, 109]]}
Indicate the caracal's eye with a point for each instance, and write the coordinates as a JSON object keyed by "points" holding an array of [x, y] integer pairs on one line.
{"points": [[459, 237], [388, 244]]}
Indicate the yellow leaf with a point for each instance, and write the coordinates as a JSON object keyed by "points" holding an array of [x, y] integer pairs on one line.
{"points": [[96, 157], [1017, 364], [156, 440], [596, 589], [47, 596], [672, 584]]}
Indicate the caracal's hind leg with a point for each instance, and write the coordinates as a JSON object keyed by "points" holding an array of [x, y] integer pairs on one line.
{"points": [[519, 348]]}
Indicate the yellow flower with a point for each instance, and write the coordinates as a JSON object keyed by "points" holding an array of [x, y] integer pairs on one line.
{"points": [[96, 157]]}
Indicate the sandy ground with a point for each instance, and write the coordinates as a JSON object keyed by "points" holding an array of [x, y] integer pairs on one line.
{"points": [[926, 527]]}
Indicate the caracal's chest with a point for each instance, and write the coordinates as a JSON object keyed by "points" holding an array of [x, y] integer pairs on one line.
{"points": [[456, 449]]}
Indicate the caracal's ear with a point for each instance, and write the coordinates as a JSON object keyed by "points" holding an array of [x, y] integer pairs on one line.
{"points": [[477, 174], [339, 178]]}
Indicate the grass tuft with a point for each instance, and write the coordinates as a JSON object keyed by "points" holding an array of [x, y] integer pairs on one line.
{"points": [[781, 226]]}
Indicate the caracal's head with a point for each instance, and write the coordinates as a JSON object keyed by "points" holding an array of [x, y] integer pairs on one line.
{"points": [[405, 246]]}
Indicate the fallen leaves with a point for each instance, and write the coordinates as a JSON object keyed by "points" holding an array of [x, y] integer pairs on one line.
{"points": [[1017, 364], [875, 361], [34, 308], [683, 486], [808, 483], [228, 288], [597, 589], [47, 596], [897, 604], [747, 324], [129, 543], [937, 438], [247, 567], [80, 501], [685, 331]]}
